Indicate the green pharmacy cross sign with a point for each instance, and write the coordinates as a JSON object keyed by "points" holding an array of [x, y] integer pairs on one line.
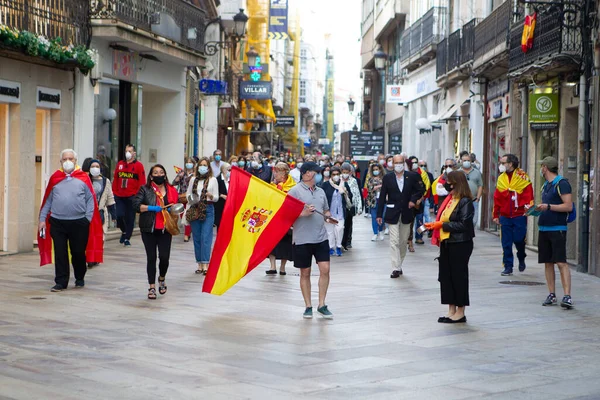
{"points": [[543, 110], [256, 71]]}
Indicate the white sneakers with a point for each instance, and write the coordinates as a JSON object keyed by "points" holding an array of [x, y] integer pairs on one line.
{"points": [[387, 231], [380, 236], [374, 238]]}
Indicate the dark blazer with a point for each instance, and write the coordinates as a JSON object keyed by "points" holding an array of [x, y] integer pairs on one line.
{"points": [[461, 222], [391, 195], [220, 205], [329, 190]]}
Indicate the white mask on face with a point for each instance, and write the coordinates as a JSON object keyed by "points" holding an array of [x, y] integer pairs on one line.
{"points": [[390, 164], [415, 167], [336, 178], [399, 167], [256, 165], [345, 176], [68, 166], [448, 170], [466, 164], [326, 174], [502, 168], [95, 171], [381, 162], [128, 155], [299, 165]]}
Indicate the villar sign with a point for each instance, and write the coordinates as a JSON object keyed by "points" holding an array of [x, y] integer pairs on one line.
{"points": [[261, 90]]}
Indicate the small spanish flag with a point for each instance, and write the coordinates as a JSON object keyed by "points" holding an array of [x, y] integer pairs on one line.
{"points": [[528, 32], [177, 169], [255, 218]]}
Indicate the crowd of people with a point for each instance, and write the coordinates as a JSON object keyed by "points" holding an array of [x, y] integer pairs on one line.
{"points": [[403, 198]]}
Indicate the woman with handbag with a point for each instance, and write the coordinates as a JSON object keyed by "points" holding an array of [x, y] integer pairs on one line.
{"points": [[223, 182], [156, 225], [203, 192], [182, 181], [339, 198], [453, 232], [104, 196], [283, 181]]}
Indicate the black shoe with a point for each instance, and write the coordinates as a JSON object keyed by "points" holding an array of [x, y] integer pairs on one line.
{"points": [[458, 321], [567, 302], [122, 239], [550, 300], [282, 273], [507, 272], [396, 274], [419, 241], [126, 243], [522, 266], [57, 288], [79, 283], [442, 320], [349, 246], [271, 272]]}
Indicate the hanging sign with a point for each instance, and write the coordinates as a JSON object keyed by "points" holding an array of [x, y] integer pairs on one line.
{"points": [[278, 20], [261, 90], [286, 121], [543, 110], [212, 87]]}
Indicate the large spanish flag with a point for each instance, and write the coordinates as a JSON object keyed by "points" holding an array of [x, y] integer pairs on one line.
{"points": [[255, 218]]}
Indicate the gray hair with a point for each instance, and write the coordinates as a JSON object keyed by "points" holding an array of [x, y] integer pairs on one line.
{"points": [[62, 153], [224, 167], [450, 159]]}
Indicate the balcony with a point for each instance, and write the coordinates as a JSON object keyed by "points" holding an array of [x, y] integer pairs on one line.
{"points": [[455, 55], [174, 28], [391, 14], [491, 43], [419, 42], [556, 47]]}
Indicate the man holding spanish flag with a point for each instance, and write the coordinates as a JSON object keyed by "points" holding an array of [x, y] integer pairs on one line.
{"points": [[512, 198]]}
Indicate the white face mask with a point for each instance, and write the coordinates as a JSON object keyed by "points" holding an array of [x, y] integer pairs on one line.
{"points": [[256, 165], [321, 163], [68, 166], [345, 176], [390, 164], [336, 178], [95, 171], [448, 170], [502, 168], [299, 165], [381, 162], [399, 167], [128, 155], [326, 174], [415, 167], [466, 164]]}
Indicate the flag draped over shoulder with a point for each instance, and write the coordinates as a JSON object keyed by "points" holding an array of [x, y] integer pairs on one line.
{"points": [[255, 218], [518, 183], [95, 246]]}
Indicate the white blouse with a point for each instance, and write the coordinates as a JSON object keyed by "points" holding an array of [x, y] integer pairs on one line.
{"points": [[212, 188]]}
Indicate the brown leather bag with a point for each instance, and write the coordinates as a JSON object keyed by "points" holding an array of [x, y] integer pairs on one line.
{"points": [[171, 223], [197, 212]]}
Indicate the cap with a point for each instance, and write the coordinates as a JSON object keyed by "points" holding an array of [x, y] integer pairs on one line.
{"points": [[550, 162], [310, 166]]}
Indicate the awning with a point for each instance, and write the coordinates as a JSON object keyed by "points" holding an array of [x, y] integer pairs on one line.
{"points": [[451, 111]]}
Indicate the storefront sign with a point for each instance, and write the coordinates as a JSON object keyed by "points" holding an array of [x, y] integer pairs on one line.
{"points": [[212, 87], [261, 90], [286, 121], [10, 92], [543, 110], [400, 93], [278, 20], [395, 126], [48, 98], [124, 65], [395, 144], [366, 145]]}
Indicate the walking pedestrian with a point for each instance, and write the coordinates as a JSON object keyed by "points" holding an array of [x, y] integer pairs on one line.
{"points": [[513, 192], [150, 202], [69, 215], [310, 237], [104, 198], [374, 190], [201, 214], [283, 181], [339, 200], [454, 232], [475, 181], [215, 165], [555, 208], [223, 183], [129, 177], [420, 209], [356, 204], [259, 167], [400, 192], [181, 182]]}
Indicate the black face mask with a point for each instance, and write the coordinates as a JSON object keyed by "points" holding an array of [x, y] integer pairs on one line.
{"points": [[159, 180], [448, 187]]}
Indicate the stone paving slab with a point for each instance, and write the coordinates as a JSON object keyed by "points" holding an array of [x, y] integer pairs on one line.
{"points": [[108, 340]]}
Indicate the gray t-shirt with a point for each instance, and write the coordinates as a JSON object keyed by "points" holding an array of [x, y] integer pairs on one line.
{"points": [[310, 229], [474, 180]]}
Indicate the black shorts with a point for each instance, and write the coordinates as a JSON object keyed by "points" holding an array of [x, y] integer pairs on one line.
{"points": [[303, 253], [552, 247]]}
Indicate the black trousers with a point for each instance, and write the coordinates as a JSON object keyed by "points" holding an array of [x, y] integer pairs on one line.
{"points": [[160, 240], [73, 235], [347, 236], [454, 272], [125, 215]]}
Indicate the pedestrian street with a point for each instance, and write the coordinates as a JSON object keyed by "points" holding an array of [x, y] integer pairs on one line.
{"points": [[107, 340]]}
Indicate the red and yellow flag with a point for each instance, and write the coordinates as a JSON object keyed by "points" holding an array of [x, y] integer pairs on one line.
{"points": [[255, 218]]}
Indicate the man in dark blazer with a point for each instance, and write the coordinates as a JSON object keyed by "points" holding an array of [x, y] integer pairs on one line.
{"points": [[401, 192]]}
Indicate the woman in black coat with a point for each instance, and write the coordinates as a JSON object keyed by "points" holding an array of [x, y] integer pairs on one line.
{"points": [[454, 233], [223, 181]]}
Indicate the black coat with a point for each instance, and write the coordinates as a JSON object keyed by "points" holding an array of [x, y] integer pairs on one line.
{"points": [[147, 196], [391, 196], [461, 227], [329, 190], [220, 205]]}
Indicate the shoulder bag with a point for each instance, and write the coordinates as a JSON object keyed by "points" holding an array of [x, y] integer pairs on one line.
{"points": [[197, 212]]}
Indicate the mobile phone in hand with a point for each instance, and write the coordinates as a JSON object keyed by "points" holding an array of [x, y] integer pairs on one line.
{"points": [[43, 233]]}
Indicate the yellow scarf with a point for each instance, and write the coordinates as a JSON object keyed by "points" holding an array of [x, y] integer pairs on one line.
{"points": [[445, 217], [425, 178], [518, 183], [287, 185]]}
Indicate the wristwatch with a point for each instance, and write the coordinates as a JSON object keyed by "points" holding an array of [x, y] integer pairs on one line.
{"points": [[549, 207]]}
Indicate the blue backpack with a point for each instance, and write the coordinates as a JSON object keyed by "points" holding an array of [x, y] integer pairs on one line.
{"points": [[572, 216]]}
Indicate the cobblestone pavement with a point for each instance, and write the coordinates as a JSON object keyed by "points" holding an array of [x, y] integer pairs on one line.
{"points": [[252, 343]]}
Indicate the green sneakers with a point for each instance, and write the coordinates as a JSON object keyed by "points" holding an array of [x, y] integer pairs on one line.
{"points": [[307, 313], [325, 313]]}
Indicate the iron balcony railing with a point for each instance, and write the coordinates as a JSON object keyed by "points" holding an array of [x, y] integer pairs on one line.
{"points": [[173, 19], [467, 43], [492, 31], [552, 38], [454, 45], [66, 19], [441, 58], [427, 30]]}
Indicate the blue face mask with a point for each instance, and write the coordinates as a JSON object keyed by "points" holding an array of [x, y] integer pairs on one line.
{"points": [[203, 170], [375, 173], [217, 158], [318, 178], [242, 163], [189, 165]]}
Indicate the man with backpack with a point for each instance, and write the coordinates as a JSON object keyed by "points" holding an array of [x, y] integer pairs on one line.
{"points": [[557, 210]]}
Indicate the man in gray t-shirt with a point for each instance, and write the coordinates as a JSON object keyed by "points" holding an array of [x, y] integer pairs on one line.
{"points": [[310, 236], [475, 181]]}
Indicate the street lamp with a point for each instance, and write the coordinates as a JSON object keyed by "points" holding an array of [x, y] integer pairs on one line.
{"points": [[355, 128], [252, 56], [240, 20], [239, 31], [380, 59], [351, 105]]}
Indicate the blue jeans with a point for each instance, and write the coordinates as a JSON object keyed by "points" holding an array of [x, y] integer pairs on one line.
{"points": [[376, 227], [426, 214], [202, 235], [513, 230]]}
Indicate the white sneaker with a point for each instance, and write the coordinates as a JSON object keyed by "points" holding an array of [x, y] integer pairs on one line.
{"points": [[380, 236], [374, 238], [387, 231], [367, 215]]}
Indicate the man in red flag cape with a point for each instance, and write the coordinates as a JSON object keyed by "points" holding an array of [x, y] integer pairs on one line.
{"points": [[69, 220]]}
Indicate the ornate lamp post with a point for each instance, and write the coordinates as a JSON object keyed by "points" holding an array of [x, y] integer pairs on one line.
{"points": [[239, 31]]}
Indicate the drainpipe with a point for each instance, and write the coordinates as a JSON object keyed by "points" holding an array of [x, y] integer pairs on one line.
{"points": [[524, 126]]}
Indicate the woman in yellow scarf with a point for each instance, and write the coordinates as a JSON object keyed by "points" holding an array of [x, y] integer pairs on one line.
{"points": [[454, 232]]}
